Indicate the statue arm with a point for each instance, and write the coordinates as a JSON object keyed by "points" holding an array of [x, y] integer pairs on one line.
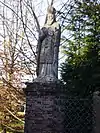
{"points": [[42, 36], [56, 49], [57, 36], [57, 42]]}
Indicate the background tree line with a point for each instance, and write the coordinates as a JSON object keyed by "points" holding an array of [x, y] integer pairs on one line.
{"points": [[81, 72]]}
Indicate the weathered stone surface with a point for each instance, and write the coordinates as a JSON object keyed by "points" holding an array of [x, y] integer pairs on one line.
{"points": [[44, 108], [48, 48]]}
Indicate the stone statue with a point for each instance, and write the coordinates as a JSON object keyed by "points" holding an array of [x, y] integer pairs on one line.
{"points": [[48, 49]]}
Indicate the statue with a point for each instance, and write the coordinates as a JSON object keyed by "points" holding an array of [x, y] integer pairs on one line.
{"points": [[48, 48]]}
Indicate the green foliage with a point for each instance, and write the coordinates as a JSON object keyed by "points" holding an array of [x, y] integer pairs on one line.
{"points": [[81, 72], [82, 78]]}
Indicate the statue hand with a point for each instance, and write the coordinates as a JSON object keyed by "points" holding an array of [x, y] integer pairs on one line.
{"points": [[43, 33]]}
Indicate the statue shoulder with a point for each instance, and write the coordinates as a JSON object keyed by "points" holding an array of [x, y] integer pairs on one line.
{"points": [[57, 25]]}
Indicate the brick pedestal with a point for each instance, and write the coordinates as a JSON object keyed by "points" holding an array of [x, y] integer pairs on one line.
{"points": [[44, 108]]}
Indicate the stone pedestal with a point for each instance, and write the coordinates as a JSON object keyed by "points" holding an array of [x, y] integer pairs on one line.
{"points": [[44, 108]]}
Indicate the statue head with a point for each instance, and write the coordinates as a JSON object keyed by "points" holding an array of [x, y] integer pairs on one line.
{"points": [[50, 17]]}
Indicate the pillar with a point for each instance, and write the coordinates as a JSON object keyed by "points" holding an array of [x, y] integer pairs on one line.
{"points": [[44, 108]]}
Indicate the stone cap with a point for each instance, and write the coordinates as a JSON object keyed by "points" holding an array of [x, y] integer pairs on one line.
{"points": [[44, 89]]}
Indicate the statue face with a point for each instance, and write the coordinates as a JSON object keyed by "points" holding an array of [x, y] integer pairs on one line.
{"points": [[50, 18]]}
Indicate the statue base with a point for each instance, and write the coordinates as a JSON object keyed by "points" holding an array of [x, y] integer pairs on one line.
{"points": [[46, 79], [44, 108]]}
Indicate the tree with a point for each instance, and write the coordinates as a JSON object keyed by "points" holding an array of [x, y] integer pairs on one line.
{"points": [[14, 60], [80, 72]]}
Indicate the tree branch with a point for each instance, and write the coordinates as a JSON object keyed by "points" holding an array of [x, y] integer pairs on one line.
{"points": [[18, 17], [25, 29], [14, 115], [52, 2]]}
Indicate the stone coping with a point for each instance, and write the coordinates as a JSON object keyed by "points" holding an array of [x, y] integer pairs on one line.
{"points": [[44, 89]]}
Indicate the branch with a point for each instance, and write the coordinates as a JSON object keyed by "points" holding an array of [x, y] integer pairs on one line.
{"points": [[25, 29], [18, 17], [52, 2], [35, 17], [11, 128], [48, 2], [14, 115], [14, 88]]}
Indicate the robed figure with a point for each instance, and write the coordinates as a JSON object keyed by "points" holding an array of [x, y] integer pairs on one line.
{"points": [[48, 48]]}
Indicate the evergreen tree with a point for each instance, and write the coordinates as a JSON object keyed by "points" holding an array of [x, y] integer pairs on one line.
{"points": [[81, 71]]}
